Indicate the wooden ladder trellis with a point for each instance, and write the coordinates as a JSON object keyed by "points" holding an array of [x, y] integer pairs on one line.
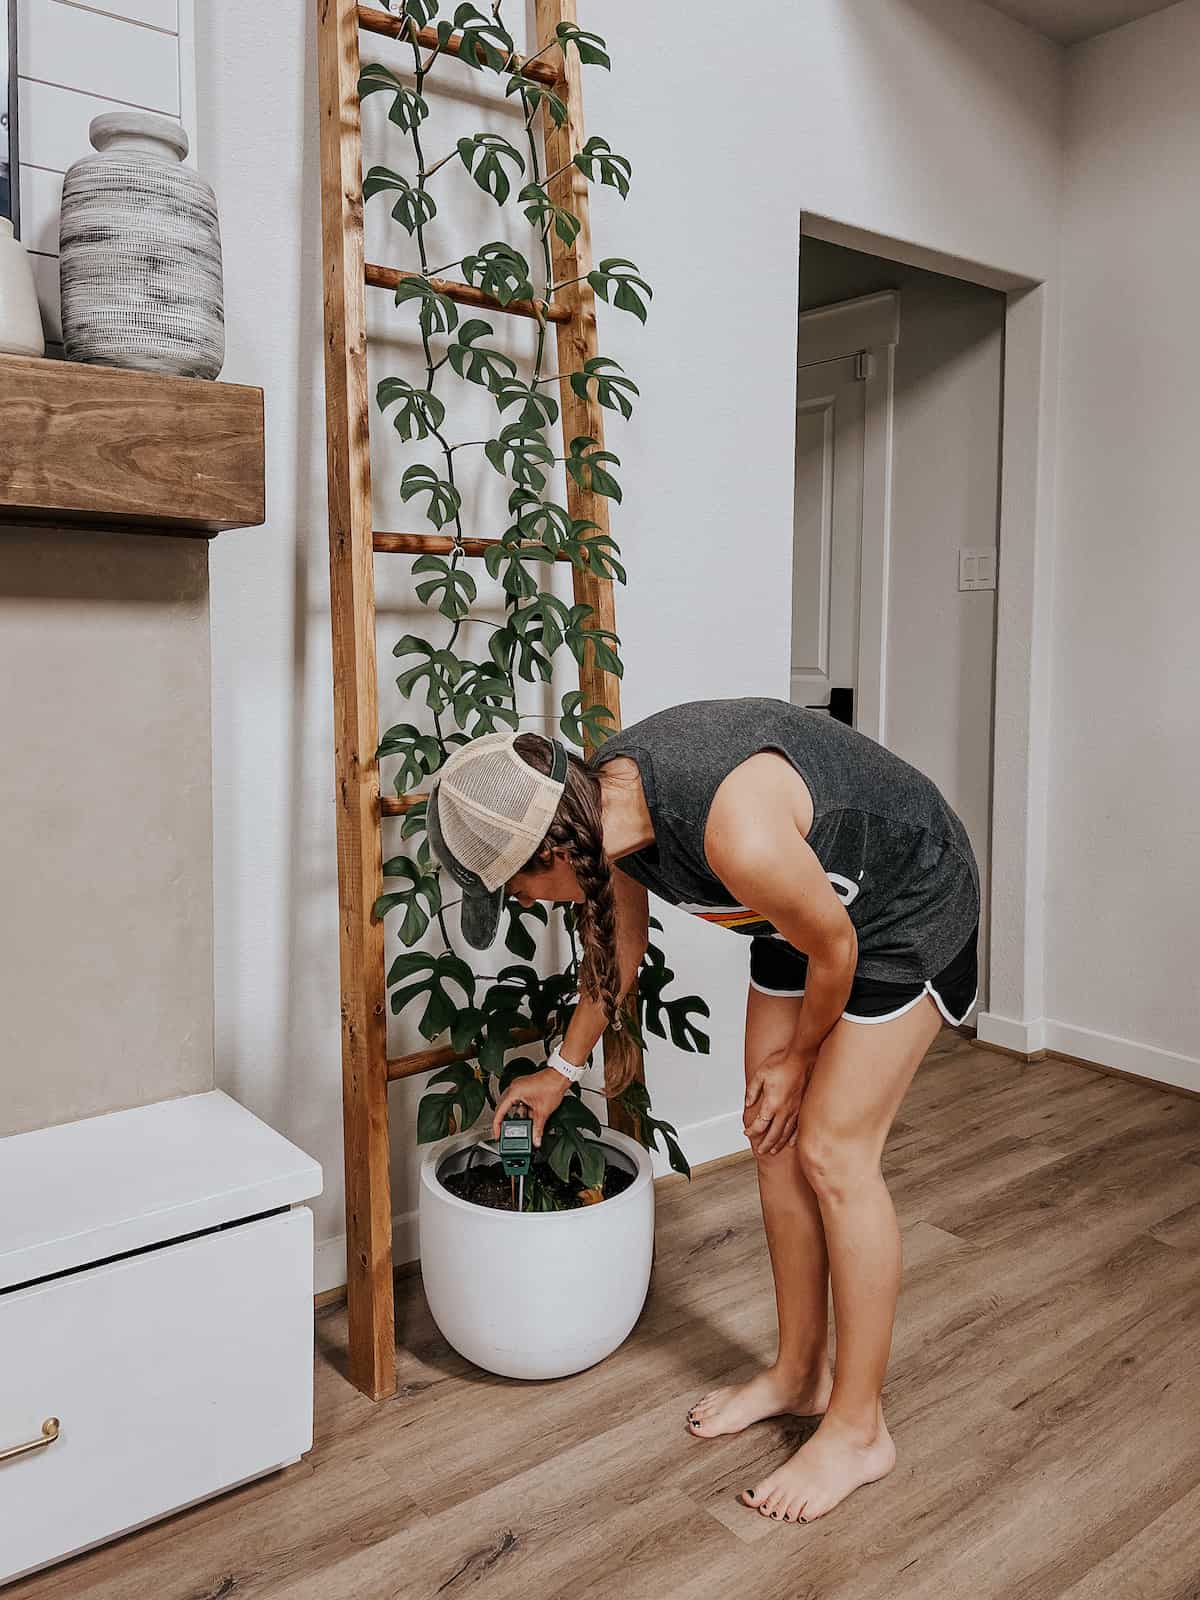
{"points": [[353, 543]]}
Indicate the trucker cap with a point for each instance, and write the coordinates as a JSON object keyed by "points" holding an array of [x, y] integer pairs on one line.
{"points": [[488, 811]]}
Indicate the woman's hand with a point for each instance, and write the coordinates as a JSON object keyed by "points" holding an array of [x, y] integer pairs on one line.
{"points": [[541, 1091], [773, 1096]]}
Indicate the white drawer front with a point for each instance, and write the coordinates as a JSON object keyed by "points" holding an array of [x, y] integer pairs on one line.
{"points": [[173, 1375]]}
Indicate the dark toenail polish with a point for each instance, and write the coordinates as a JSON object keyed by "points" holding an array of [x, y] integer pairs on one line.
{"points": [[774, 1514]]}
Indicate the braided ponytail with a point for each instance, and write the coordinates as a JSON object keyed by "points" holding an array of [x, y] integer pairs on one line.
{"points": [[578, 831]]}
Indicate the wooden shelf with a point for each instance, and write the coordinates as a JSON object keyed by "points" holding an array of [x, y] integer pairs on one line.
{"points": [[106, 447]]}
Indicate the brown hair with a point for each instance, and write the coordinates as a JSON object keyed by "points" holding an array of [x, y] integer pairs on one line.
{"points": [[577, 829]]}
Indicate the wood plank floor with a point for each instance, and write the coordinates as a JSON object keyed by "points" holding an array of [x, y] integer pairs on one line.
{"points": [[1044, 1395]]}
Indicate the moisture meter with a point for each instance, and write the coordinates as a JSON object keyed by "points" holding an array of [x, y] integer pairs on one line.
{"points": [[515, 1148]]}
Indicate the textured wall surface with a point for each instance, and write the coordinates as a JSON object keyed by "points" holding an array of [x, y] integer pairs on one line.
{"points": [[106, 800]]}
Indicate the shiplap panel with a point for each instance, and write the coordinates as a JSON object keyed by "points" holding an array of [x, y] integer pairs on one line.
{"points": [[77, 49], [162, 14], [54, 123], [41, 201]]}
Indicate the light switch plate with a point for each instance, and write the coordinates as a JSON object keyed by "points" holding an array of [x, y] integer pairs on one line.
{"points": [[977, 568]]}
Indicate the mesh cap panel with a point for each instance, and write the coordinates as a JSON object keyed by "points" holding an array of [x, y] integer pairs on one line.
{"points": [[493, 807]]}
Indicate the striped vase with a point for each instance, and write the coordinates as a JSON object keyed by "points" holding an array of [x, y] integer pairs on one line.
{"points": [[140, 252]]}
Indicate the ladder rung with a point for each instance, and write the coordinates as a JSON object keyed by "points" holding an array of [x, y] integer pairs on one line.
{"points": [[395, 805], [391, 278], [442, 544], [378, 22], [444, 1056]]}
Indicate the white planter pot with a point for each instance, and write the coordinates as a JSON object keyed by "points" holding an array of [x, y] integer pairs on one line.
{"points": [[536, 1294]]}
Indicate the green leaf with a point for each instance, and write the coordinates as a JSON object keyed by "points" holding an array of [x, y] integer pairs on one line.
{"points": [[455, 1108], [421, 898], [540, 210], [621, 277], [455, 585], [653, 978], [542, 520], [636, 1099], [420, 754], [598, 158], [611, 391], [509, 566], [500, 271], [601, 642], [438, 313], [414, 206], [482, 37], [539, 409], [420, 411], [576, 720], [442, 668], [482, 700], [520, 651], [518, 939], [421, 11], [409, 109], [569, 1142], [438, 971], [585, 463], [521, 453], [595, 555], [445, 501], [483, 155], [589, 46], [478, 363], [536, 94]]}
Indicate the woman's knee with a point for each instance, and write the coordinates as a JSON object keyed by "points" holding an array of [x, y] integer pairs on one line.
{"points": [[834, 1164]]}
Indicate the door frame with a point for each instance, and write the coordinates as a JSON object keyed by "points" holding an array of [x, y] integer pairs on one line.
{"points": [[1018, 846], [866, 326]]}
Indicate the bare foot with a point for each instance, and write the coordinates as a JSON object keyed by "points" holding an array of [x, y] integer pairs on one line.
{"points": [[825, 1469], [770, 1394]]}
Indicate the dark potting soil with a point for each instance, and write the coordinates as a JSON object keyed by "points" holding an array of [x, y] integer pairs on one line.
{"points": [[485, 1185]]}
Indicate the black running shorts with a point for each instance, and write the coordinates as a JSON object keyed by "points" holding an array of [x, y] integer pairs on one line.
{"points": [[777, 967]]}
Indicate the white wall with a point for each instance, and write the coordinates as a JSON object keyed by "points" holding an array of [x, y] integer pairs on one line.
{"points": [[940, 641], [1125, 858], [76, 62], [929, 120]]}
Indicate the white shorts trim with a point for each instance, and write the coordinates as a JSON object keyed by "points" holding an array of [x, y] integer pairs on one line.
{"points": [[791, 994], [889, 1016]]}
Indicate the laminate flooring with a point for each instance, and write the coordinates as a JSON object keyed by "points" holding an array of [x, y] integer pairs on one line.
{"points": [[1043, 1393]]}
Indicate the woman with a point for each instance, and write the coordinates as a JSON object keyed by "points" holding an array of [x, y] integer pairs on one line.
{"points": [[859, 891]]}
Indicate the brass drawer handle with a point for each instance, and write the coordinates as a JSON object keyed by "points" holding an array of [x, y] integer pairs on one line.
{"points": [[49, 1434]]}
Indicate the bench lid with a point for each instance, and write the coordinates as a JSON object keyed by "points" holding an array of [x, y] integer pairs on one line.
{"points": [[85, 1191]]}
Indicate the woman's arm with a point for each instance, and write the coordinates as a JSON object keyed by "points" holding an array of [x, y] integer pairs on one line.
{"points": [[543, 1091], [756, 846]]}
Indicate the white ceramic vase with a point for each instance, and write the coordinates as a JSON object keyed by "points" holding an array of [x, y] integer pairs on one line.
{"points": [[140, 252], [20, 320], [541, 1294]]}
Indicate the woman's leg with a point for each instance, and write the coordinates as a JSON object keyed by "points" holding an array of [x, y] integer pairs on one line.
{"points": [[799, 1380], [861, 1076]]}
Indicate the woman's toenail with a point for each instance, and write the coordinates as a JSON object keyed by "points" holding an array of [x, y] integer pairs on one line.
{"points": [[774, 1514]]}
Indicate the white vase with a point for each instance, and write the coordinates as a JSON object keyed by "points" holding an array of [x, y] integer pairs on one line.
{"points": [[140, 252], [20, 320], [536, 1294]]}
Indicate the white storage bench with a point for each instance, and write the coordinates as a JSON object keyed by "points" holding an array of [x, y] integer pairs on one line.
{"points": [[156, 1319]]}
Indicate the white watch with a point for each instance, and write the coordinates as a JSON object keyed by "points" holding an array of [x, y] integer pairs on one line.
{"points": [[555, 1060]]}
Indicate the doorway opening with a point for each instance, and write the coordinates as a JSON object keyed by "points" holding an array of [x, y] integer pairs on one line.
{"points": [[899, 427]]}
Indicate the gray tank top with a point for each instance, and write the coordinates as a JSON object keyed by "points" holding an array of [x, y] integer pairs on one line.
{"points": [[897, 856]]}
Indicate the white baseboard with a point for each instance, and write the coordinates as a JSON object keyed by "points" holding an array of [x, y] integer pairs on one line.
{"points": [[1026, 1037], [1167, 1067], [701, 1141], [1127, 1055]]}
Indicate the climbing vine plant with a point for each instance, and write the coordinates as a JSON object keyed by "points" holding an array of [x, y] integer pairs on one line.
{"points": [[487, 1016]]}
